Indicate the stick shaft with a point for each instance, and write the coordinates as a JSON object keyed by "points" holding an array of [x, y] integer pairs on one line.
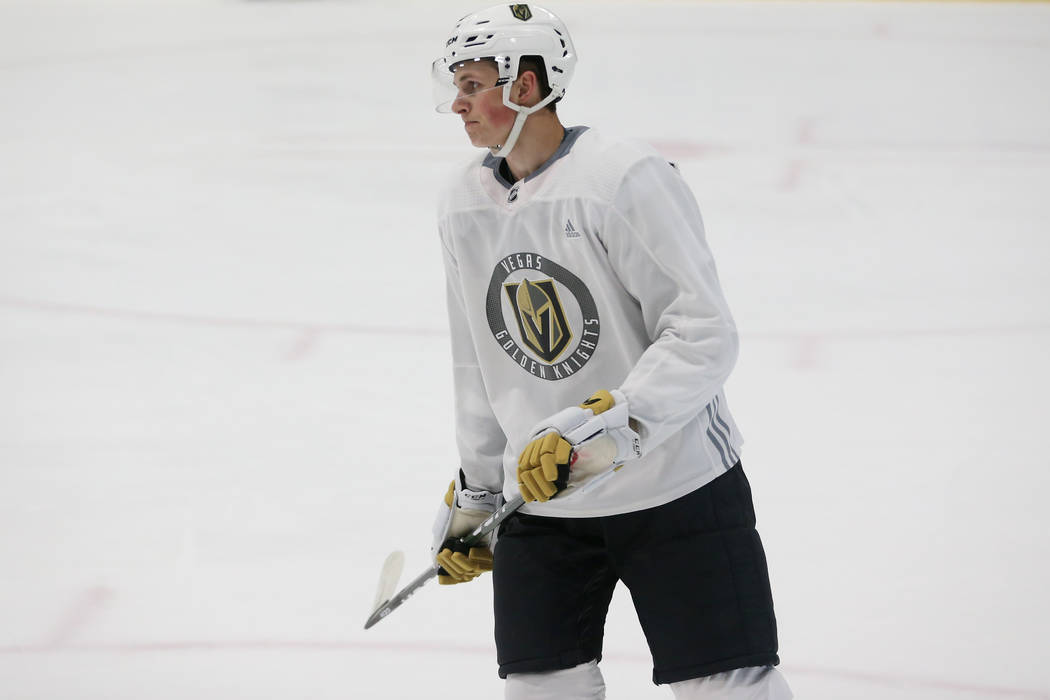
{"points": [[479, 533]]}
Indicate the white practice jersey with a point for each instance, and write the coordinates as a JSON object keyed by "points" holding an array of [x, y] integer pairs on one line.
{"points": [[592, 273]]}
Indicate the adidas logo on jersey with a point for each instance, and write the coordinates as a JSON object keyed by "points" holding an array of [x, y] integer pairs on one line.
{"points": [[570, 230]]}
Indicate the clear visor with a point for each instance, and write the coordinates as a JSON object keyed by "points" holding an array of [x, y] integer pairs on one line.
{"points": [[447, 88]]}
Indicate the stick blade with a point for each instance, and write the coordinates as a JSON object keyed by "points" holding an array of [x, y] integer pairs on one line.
{"points": [[388, 578], [398, 599]]}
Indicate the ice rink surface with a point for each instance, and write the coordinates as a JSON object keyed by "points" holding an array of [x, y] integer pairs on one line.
{"points": [[224, 373]]}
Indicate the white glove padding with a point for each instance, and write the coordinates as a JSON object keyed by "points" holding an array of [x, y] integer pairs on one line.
{"points": [[599, 435], [603, 417], [461, 511]]}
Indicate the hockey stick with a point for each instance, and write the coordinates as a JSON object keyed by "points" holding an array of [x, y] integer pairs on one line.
{"points": [[392, 603], [387, 603]]}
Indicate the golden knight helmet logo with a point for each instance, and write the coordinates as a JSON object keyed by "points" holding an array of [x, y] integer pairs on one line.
{"points": [[522, 12]]}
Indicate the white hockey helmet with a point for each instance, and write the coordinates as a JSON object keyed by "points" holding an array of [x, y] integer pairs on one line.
{"points": [[503, 34]]}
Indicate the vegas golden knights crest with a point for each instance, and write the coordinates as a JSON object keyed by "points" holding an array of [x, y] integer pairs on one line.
{"points": [[541, 317], [522, 12]]}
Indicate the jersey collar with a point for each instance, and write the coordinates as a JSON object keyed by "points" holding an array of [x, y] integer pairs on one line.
{"points": [[567, 141]]}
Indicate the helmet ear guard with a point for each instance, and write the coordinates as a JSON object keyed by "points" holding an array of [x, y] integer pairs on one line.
{"points": [[502, 150]]}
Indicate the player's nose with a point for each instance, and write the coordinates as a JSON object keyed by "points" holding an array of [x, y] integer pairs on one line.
{"points": [[461, 105]]}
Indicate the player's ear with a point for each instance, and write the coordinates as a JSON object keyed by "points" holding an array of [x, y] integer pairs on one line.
{"points": [[528, 88]]}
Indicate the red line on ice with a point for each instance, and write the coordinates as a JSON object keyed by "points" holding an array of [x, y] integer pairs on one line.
{"points": [[220, 321], [84, 607], [309, 329], [442, 648]]}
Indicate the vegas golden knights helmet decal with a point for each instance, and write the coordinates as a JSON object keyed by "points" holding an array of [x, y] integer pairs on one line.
{"points": [[540, 317], [522, 12]]}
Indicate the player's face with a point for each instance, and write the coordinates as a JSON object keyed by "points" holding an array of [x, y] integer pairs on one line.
{"points": [[486, 119]]}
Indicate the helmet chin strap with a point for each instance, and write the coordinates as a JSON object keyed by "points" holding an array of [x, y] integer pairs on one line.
{"points": [[502, 150]]}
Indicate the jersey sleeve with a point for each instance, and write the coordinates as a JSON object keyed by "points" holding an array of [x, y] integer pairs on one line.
{"points": [[656, 245], [479, 437]]}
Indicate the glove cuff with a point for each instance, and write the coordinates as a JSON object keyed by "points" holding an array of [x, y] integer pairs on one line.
{"points": [[461, 512], [484, 501], [580, 426]]}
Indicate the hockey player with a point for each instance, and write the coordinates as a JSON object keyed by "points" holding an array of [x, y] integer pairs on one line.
{"points": [[590, 333]]}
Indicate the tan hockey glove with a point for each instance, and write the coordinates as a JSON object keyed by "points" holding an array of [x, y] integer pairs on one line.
{"points": [[461, 512], [543, 468], [459, 565], [598, 429]]}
